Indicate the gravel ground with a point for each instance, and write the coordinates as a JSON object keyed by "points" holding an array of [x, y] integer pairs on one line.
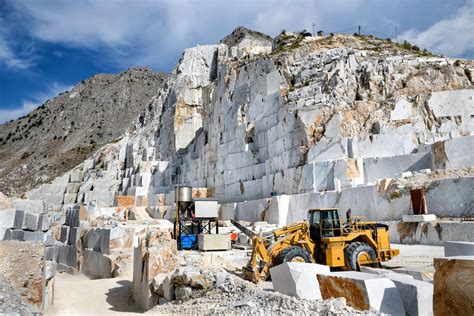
{"points": [[11, 302], [232, 295]]}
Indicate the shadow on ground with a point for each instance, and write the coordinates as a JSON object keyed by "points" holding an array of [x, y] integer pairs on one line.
{"points": [[120, 297]]}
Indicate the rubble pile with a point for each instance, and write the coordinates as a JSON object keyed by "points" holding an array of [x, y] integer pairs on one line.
{"points": [[11, 302], [226, 293], [22, 267]]}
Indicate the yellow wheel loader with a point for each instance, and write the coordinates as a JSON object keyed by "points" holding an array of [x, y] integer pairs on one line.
{"points": [[324, 238]]}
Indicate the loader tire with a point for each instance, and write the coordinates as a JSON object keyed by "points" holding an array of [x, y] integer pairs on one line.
{"points": [[355, 251], [293, 254]]}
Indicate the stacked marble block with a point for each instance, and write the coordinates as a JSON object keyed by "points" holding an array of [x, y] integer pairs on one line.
{"points": [[102, 246], [26, 221], [67, 249]]}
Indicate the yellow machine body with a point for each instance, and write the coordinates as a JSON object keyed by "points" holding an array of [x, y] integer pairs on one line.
{"points": [[323, 239]]}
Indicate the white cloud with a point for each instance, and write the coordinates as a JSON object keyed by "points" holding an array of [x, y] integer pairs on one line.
{"points": [[155, 32], [453, 36], [32, 102], [11, 58]]}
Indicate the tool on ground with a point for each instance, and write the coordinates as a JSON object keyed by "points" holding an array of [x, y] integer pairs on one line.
{"points": [[324, 238]]}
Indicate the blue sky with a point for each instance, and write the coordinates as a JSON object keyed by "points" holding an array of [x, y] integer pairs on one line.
{"points": [[48, 46]]}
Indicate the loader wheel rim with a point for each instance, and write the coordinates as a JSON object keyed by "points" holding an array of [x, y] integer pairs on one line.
{"points": [[297, 259], [363, 257]]}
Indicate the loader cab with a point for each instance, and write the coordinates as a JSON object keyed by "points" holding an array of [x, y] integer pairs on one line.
{"points": [[324, 222]]}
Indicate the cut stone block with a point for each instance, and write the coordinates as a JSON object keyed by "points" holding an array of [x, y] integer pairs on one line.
{"points": [[419, 218], [64, 233], [214, 242], [362, 291], [74, 235], [33, 206], [454, 286], [417, 296], [383, 272], [30, 221], [5, 234], [51, 252], [17, 234], [44, 223], [96, 264], [458, 248], [33, 236], [67, 256], [298, 279], [11, 218], [70, 198], [156, 253], [425, 273], [72, 217]]}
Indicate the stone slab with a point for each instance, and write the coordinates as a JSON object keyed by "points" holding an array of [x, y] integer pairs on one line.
{"points": [[298, 279], [362, 291], [419, 218], [417, 296], [458, 248], [33, 236], [214, 242], [421, 273], [454, 286]]}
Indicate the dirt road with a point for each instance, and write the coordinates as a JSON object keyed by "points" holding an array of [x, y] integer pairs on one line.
{"points": [[79, 295]]}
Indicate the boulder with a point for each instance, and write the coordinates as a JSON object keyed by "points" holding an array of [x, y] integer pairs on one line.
{"points": [[183, 292], [362, 291], [298, 279], [454, 286], [458, 248]]}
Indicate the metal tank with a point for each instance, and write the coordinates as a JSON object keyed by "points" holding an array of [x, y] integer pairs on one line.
{"points": [[184, 199]]}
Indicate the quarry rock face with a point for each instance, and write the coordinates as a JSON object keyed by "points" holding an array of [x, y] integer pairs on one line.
{"points": [[273, 136], [453, 286]]}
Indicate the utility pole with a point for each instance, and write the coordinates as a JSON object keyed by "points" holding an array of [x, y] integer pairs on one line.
{"points": [[314, 34], [359, 30], [396, 34]]}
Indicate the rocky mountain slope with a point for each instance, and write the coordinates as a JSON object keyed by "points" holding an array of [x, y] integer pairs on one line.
{"points": [[64, 131]]}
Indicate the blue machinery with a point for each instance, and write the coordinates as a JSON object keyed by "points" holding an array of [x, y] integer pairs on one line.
{"points": [[192, 218]]}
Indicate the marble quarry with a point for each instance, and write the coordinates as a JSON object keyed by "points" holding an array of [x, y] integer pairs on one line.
{"points": [[273, 137], [270, 136]]}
